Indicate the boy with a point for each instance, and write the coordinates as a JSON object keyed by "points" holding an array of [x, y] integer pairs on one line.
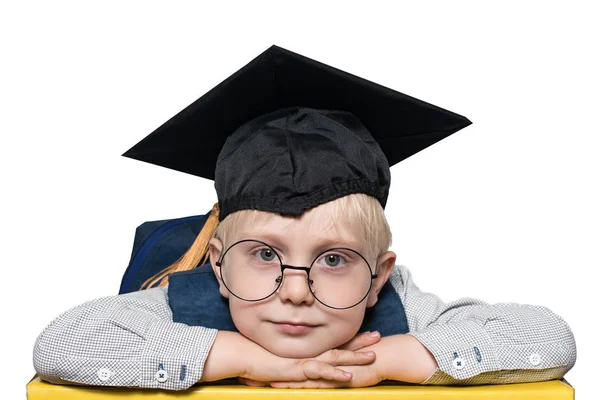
{"points": [[301, 255]]}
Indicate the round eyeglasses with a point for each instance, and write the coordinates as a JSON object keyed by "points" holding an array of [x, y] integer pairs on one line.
{"points": [[338, 278]]}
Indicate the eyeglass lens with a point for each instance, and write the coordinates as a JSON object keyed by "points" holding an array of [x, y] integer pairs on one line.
{"points": [[338, 278]]}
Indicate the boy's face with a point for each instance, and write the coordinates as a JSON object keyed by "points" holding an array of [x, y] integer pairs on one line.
{"points": [[291, 322]]}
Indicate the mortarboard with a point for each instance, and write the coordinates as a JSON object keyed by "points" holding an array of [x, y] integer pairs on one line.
{"points": [[286, 133]]}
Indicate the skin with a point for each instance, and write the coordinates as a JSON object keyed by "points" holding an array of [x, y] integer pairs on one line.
{"points": [[298, 241], [331, 353]]}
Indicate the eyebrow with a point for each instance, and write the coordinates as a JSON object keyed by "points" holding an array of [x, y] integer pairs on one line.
{"points": [[325, 243]]}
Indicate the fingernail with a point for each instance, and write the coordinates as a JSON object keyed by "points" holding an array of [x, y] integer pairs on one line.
{"points": [[374, 334], [370, 353], [347, 374]]}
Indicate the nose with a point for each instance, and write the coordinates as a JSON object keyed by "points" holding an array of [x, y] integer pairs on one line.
{"points": [[294, 288]]}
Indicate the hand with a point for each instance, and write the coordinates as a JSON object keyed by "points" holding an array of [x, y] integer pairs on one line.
{"points": [[322, 368], [362, 376], [260, 365]]}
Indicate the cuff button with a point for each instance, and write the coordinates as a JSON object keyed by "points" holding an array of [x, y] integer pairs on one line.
{"points": [[458, 363], [161, 375]]}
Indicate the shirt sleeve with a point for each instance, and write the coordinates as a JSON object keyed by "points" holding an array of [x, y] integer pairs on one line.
{"points": [[476, 343], [125, 340]]}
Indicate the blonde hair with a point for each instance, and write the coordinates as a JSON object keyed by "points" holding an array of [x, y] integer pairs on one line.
{"points": [[363, 213]]}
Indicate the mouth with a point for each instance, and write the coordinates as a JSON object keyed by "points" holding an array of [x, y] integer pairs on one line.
{"points": [[294, 328]]}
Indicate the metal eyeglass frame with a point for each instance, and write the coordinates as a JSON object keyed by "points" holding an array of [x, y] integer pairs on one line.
{"points": [[279, 280]]}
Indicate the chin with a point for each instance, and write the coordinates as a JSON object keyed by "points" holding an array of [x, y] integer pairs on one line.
{"points": [[294, 351]]}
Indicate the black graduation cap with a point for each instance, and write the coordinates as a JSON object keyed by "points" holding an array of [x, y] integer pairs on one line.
{"points": [[286, 133]]}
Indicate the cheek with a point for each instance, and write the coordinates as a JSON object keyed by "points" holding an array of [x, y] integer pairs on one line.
{"points": [[346, 323], [245, 316]]}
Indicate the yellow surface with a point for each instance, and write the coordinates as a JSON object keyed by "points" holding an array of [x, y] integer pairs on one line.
{"points": [[226, 390]]}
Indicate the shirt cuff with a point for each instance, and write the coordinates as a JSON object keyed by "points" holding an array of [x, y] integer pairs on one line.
{"points": [[174, 355], [461, 351]]}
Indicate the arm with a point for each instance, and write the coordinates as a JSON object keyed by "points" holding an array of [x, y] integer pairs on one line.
{"points": [[478, 343], [123, 341], [130, 340]]}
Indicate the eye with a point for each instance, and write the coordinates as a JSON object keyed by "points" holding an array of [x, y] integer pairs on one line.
{"points": [[266, 254], [333, 260]]}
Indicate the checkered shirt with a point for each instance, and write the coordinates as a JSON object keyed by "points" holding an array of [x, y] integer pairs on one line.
{"points": [[131, 340]]}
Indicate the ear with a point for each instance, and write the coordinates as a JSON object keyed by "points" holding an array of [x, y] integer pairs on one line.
{"points": [[385, 266], [215, 247]]}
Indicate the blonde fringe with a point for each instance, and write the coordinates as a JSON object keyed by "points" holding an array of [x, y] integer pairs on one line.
{"points": [[363, 212], [196, 255]]}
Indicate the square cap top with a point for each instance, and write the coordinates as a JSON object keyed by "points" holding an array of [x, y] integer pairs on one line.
{"points": [[277, 80]]}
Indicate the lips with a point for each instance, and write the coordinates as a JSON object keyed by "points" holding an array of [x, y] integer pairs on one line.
{"points": [[295, 323], [295, 327]]}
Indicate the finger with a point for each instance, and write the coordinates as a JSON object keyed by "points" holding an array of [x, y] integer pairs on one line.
{"points": [[319, 370], [241, 380], [309, 384], [250, 382], [338, 357], [361, 340]]}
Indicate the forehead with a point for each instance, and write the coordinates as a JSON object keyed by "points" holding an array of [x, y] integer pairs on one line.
{"points": [[317, 224]]}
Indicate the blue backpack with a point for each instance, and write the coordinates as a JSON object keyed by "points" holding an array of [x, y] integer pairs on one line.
{"points": [[194, 296], [158, 244]]}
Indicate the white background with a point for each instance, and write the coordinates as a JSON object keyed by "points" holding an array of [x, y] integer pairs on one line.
{"points": [[505, 210]]}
